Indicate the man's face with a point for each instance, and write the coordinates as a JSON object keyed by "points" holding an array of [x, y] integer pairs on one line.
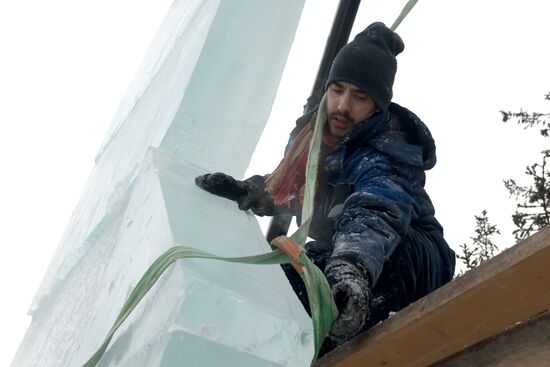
{"points": [[347, 106]]}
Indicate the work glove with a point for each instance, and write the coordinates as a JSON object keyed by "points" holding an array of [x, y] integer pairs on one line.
{"points": [[249, 194], [350, 289]]}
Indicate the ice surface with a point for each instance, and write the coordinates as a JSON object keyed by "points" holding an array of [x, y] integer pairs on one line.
{"points": [[199, 104], [201, 311], [205, 97], [143, 118]]}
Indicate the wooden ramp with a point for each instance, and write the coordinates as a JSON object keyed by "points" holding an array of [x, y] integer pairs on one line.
{"points": [[494, 315]]}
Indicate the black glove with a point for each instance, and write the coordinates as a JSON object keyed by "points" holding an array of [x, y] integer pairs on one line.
{"points": [[249, 194], [222, 185], [350, 289]]}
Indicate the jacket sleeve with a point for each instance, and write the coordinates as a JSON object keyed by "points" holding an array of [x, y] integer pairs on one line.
{"points": [[376, 216]]}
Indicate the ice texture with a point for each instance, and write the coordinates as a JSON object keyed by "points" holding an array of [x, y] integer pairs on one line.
{"points": [[198, 104], [200, 312]]}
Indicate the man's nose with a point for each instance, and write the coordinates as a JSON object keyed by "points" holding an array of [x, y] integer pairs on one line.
{"points": [[344, 103]]}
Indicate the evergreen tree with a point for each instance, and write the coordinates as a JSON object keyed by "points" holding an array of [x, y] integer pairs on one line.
{"points": [[533, 201], [528, 119], [482, 247]]}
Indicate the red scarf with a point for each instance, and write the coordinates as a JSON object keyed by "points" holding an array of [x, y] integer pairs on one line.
{"points": [[286, 184]]}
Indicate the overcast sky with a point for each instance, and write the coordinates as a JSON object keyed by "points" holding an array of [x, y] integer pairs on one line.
{"points": [[65, 66]]}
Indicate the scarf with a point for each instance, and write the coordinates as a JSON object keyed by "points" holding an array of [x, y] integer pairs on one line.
{"points": [[286, 184]]}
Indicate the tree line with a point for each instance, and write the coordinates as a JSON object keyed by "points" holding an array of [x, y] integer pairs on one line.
{"points": [[532, 200]]}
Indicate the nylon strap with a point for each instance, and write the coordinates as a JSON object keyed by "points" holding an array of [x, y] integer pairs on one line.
{"points": [[158, 267], [323, 309], [408, 7]]}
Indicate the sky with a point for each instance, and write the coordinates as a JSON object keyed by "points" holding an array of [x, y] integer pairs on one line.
{"points": [[65, 66]]}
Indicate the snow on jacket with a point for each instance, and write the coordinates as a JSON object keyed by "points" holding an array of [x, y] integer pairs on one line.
{"points": [[371, 198]]}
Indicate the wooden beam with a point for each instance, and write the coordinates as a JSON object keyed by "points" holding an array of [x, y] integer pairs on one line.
{"points": [[510, 288], [526, 344]]}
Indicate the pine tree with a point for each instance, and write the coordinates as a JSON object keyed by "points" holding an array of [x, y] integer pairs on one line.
{"points": [[533, 201], [482, 247], [530, 119]]}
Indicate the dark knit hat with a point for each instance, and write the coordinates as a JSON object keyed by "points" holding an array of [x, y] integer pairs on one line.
{"points": [[369, 63]]}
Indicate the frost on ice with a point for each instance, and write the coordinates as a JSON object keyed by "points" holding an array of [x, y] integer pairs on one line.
{"points": [[198, 104]]}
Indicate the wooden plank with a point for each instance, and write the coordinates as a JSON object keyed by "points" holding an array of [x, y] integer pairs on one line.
{"points": [[510, 288], [526, 344]]}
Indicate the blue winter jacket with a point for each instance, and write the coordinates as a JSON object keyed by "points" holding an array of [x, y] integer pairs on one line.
{"points": [[371, 200]]}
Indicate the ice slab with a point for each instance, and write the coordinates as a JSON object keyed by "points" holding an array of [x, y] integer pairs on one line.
{"points": [[204, 94], [200, 313], [201, 99]]}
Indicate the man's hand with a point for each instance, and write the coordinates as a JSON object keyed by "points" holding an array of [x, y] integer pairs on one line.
{"points": [[249, 194], [222, 185], [350, 290]]}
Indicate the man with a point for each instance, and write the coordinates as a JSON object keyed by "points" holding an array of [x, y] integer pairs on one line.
{"points": [[376, 237]]}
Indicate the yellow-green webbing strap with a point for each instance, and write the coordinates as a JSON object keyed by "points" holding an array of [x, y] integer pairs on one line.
{"points": [[322, 306], [406, 9], [311, 170], [323, 309], [156, 269]]}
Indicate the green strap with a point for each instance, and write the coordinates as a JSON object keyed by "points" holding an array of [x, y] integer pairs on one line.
{"points": [[408, 7], [323, 309], [311, 170], [156, 269]]}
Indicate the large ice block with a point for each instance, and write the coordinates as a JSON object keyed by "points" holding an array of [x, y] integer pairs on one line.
{"points": [[199, 313], [204, 93], [198, 104]]}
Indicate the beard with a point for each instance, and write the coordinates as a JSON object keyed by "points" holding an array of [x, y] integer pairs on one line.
{"points": [[341, 132]]}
